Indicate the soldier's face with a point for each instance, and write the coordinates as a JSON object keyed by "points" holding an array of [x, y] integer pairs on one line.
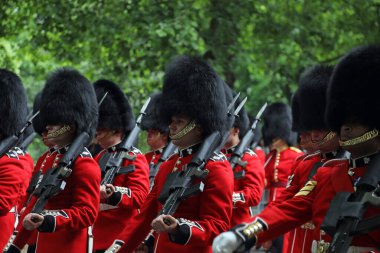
{"points": [[107, 137], [60, 135], [306, 143], [155, 139], [178, 123], [351, 131]]}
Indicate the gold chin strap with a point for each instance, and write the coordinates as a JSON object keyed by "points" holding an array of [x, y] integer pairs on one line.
{"points": [[192, 124], [59, 132], [365, 137], [327, 138]]}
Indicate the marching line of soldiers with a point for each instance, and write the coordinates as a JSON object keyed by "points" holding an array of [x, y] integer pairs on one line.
{"points": [[193, 191]]}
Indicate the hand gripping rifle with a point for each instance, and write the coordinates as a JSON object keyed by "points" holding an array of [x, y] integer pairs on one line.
{"points": [[179, 185], [9, 142], [114, 164], [344, 218], [238, 153], [168, 151]]}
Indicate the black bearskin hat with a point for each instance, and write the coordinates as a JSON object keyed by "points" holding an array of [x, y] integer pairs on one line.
{"points": [[153, 119], [278, 124], [38, 126], [115, 112], [309, 101], [13, 103], [192, 88], [353, 92], [229, 97], [69, 98]]}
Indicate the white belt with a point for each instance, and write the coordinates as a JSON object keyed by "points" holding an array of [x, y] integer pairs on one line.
{"points": [[322, 246]]}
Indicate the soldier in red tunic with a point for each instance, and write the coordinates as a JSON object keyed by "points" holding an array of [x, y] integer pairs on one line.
{"points": [[350, 111], [193, 104], [279, 137], [248, 189], [308, 109], [45, 160], [15, 168], [157, 136], [128, 191], [68, 108]]}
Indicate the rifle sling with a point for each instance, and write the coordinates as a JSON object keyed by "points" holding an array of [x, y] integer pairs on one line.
{"points": [[314, 170]]}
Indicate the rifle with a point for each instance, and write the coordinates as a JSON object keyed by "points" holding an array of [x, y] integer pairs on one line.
{"points": [[344, 218], [168, 151], [114, 163], [9, 142], [238, 153], [182, 187], [27, 140], [53, 181], [178, 185]]}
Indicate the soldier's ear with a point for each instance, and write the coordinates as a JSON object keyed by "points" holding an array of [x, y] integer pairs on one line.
{"points": [[235, 131]]}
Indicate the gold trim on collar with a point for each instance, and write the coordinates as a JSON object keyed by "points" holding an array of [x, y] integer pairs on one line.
{"points": [[365, 137]]}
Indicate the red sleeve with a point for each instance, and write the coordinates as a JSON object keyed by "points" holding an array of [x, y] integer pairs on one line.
{"points": [[139, 227], [287, 215], [249, 189], [260, 153], [84, 192], [216, 211], [12, 176], [131, 188]]}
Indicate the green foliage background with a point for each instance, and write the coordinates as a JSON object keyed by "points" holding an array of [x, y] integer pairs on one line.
{"points": [[259, 46]]}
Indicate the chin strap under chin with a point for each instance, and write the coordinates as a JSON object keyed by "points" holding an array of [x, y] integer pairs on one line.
{"points": [[192, 124], [59, 132], [365, 137]]}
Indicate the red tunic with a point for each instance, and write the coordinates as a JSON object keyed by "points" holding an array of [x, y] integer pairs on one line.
{"points": [[312, 203], [249, 189], [14, 172], [118, 210], [153, 156], [278, 167], [69, 214], [260, 153], [30, 237], [201, 217]]}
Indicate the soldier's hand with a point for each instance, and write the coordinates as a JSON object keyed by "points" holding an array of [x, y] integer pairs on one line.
{"points": [[142, 248], [226, 242], [165, 224], [106, 191], [32, 221]]}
